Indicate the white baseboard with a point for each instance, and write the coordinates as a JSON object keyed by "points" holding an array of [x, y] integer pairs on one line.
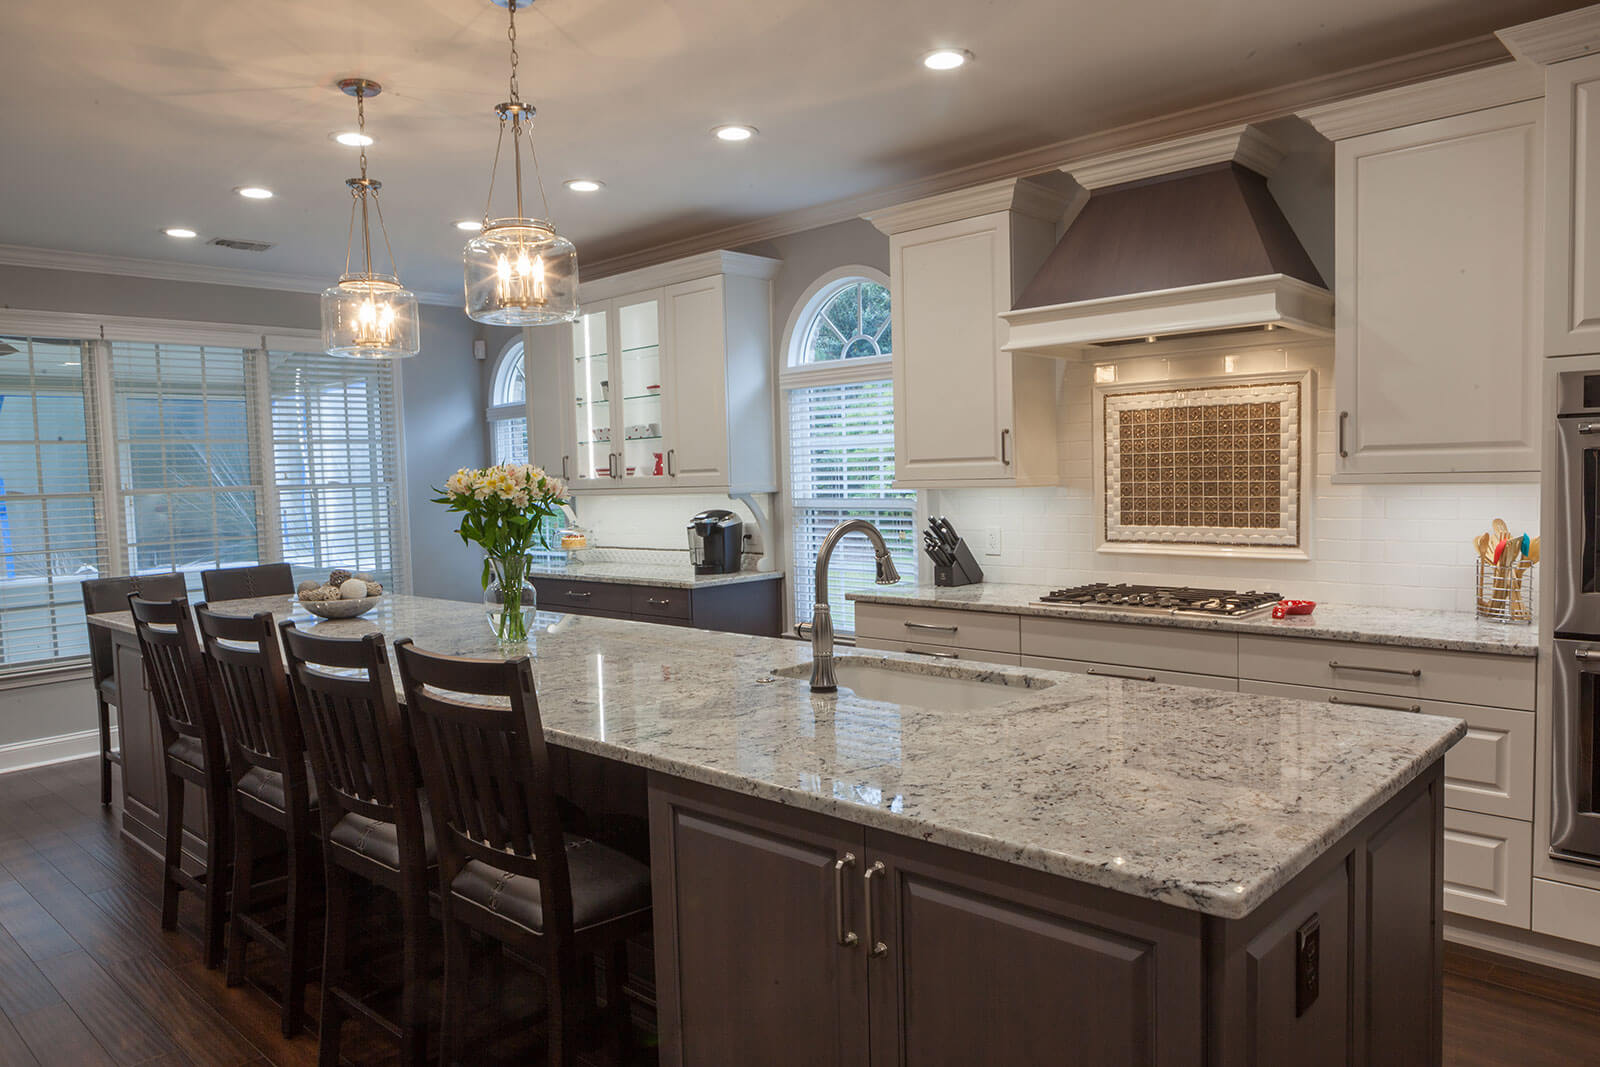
{"points": [[1524, 945], [42, 751]]}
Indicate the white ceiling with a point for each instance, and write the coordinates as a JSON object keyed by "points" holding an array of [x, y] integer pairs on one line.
{"points": [[120, 118]]}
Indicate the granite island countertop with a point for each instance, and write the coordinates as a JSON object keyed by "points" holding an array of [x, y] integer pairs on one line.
{"points": [[679, 576], [1206, 800], [1455, 631]]}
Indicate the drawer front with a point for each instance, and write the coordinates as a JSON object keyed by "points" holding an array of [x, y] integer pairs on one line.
{"points": [[922, 648], [1166, 648], [1462, 677], [1488, 867], [973, 630], [1490, 770], [562, 595], [650, 601], [1132, 674], [1568, 911]]}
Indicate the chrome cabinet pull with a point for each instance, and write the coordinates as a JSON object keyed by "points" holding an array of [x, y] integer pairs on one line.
{"points": [[875, 948], [616, 468], [653, 602], [564, 475], [846, 937], [929, 626], [1127, 677], [672, 463], [1414, 672], [577, 595], [1413, 708], [936, 655], [1583, 653], [1005, 455], [1589, 427], [1344, 416]]}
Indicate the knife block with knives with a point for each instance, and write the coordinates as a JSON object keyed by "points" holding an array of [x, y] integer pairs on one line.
{"points": [[953, 563]]}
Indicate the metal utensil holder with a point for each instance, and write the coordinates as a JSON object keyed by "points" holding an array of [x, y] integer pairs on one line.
{"points": [[1505, 594], [964, 571]]}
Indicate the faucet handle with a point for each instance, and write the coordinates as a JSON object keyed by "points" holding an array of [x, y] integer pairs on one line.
{"points": [[802, 630]]}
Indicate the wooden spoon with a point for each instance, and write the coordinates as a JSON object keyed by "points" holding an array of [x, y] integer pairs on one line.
{"points": [[1481, 543]]}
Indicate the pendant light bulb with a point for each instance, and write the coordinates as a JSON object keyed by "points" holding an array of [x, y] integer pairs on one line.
{"points": [[368, 314], [519, 271]]}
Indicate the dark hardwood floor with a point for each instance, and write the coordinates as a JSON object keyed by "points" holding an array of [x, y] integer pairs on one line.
{"points": [[87, 976]]}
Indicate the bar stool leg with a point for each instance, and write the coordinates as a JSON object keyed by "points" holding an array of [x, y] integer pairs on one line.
{"points": [[296, 934], [334, 944], [561, 985], [244, 861], [219, 852], [173, 853], [413, 998], [455, 990], [617, 1004]]}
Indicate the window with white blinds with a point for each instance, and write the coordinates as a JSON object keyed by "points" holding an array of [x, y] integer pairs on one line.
{"points": [[508, 411], [841, 466], [336, 464], [142, 456], [49, 499]]}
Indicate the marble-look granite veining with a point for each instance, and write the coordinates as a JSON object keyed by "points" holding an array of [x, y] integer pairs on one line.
{"points": [[1205, 800], [679, 576], [1455, 631]]}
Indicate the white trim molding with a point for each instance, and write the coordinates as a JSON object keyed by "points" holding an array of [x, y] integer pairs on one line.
{"points": [[1048, 197], [1457, 94], [43, 751], [1246, 145], [1554, 39], [688, 269], [167, 270]]}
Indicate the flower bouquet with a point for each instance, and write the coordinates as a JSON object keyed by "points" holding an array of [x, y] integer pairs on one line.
{"points": [[503, 509]]}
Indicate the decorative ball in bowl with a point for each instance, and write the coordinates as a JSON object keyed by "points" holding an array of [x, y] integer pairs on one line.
{"points": [[342, 596]]}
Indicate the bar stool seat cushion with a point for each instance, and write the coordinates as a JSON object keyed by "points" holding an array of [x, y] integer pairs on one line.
{"points": [[380, 841], [267, 786], [188, 750], [605, 885]]}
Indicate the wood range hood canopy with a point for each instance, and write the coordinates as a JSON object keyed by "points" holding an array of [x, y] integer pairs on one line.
{"points": [[1175, 240]]}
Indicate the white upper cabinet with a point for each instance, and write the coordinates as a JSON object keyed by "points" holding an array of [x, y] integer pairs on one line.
{"points": [[1437, 306], [965, 412], [665, 380], [1572, 226]]}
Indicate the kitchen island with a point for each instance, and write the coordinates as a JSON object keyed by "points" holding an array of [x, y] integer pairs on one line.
{"points": [[1090, 870]]}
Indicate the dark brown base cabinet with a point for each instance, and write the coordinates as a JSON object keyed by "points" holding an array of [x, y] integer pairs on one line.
{"points": [[742, 608], [774, 946]]}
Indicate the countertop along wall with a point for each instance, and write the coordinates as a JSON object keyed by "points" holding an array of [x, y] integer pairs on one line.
{"points": [[442, 422]]}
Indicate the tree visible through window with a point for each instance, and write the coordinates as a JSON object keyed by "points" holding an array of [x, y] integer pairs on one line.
{"points": [[508, 412], [852, 324]]}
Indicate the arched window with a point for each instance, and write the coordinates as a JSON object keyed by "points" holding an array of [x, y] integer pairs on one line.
{"points": [[508, 410], [839, 406]]}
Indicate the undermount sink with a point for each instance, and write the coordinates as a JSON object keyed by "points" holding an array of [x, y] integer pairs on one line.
{"points": [[954, 689]]}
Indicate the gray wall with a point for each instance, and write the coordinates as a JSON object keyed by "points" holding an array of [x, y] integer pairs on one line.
{"points": [[809, 255]]}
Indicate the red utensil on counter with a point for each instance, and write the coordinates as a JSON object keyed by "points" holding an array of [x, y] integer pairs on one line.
{"points": [[1285, 608]]}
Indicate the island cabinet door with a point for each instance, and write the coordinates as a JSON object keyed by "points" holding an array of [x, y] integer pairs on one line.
{"points": [[140, 740], [974, 961], [758, 959]]}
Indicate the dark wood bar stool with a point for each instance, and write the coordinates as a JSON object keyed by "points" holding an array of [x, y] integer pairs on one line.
{"points": [[373, 824], [271, 787], [241, 583], [111, 594], [191, 737], [506, 868]]}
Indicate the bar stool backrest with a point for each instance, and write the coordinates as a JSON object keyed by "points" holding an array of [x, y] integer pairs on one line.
{"points": [[247, 675], [176, 671], [241, 583], [101, 595]]}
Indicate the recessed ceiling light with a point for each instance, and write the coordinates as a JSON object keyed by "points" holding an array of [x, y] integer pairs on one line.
{"points": [[584, 185], [734, 132], [946, 58], [179, 231], [469, 225], [254, 192], [352, 139]]}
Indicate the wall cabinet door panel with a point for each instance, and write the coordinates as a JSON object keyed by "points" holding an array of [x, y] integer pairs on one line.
{"points": [[699, 400], [1437, 308], [1572, 280]]}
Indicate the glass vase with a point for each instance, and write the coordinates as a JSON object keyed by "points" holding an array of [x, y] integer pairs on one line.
{"points": [[509, 601]]}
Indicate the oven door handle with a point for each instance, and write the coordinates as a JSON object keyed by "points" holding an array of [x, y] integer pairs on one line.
{"points": [[1589, 427], [1583, 654]]}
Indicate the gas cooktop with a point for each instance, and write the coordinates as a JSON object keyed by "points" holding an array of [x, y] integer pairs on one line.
{"points": [[1172, 600]]}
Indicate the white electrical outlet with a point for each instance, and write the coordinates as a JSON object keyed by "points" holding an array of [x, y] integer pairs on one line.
{"points": [[752, 540], [991, 541]]}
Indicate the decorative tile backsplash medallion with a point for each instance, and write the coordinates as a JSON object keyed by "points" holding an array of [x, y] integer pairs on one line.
{"points": [[1205, 464]]}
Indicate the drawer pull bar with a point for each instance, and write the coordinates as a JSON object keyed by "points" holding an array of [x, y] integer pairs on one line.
{"points": [[875, 947], [1414, 672], [846, 937], [654, 602], [575, 595], [929, 626], [1127, 677], [1413, 708], [937, 655]]}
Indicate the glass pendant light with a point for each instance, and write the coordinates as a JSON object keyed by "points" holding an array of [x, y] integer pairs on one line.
{"points": [[519, 271], [368, 315]]}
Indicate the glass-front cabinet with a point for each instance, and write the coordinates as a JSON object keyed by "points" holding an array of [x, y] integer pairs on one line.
{"points": [[641, 446], [591, 396], [617, 385]]}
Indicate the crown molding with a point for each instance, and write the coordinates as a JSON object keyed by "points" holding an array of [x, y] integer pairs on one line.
{"points": [[1246, 145], [1047, 200], [167, 270], [688, 269], [1559, 37], [1456, 94]]}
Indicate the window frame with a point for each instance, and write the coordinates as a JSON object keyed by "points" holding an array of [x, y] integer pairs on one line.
{"points": [[795, 373], [512, 354]]}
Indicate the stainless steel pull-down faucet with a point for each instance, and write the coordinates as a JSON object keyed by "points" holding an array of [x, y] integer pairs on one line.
{"points": [[822, 676]]}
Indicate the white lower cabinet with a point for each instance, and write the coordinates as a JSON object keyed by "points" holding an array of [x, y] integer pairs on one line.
{"points": [[934, 651], [1132, 674], [1164, 649], [1488, 867], [1568, 911]]}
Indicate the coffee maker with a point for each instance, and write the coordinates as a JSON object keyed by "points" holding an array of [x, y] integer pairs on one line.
{"points": [[716, 542]]}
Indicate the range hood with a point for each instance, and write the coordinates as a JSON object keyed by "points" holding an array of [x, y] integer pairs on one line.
{"points": [[1176, 240]]}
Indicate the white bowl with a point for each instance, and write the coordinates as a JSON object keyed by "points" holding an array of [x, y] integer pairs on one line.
{"points": [[339, 609]]}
